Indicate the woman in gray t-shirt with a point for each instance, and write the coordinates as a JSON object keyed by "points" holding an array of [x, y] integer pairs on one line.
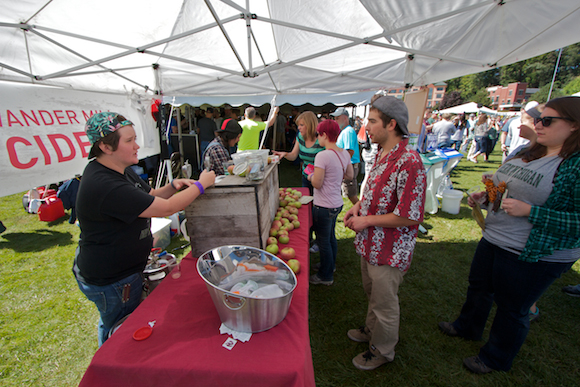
{"points": [[503, 270]]}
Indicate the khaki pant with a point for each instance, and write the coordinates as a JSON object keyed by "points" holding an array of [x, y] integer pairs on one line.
{"points": [[381, 285]]}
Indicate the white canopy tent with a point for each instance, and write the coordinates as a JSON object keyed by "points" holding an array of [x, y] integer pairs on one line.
{"points": [[250, 50], [470, 107]]}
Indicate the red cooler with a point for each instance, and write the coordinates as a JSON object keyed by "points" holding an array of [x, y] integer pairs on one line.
{"points": [[51, 210]]}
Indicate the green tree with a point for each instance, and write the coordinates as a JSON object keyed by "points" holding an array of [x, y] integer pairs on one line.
{"points": [[482, 98], [569, 64], [450, 100], [542, 95], [572, 87], [511, 73], [539, 72]]}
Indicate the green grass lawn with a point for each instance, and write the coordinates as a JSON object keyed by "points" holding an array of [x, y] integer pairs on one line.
{"points": [[48, 328]]}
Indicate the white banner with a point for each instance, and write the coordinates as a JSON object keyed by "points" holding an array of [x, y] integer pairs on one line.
{"points": [[42, 138]]}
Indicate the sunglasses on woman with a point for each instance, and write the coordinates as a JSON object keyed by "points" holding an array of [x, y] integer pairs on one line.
{"points": [[547, 121]]}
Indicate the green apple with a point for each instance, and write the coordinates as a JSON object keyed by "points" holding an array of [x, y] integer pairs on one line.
{"points": [[294, 264], [284, 239], [272, 249]]}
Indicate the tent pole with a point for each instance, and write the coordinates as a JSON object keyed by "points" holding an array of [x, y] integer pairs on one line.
{"points": [[555, 72]]}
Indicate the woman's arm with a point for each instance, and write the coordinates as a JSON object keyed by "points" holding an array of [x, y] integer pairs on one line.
{"points": [[170, 189], [566, 190], [317, 178], [349, 174], [291, 156], [167, 206]]}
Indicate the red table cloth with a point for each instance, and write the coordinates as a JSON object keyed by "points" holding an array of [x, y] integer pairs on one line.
{"points": [[185, 348]]}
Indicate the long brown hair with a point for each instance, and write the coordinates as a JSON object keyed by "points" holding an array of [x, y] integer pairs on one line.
{"points": [[568, 107], [311, 122]]}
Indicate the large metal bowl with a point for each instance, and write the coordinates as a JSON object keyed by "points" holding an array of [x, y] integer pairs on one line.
{"points": [[244, 313]]}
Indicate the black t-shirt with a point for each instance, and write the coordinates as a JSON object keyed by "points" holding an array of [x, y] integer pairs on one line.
{"points": [[115, 242], [207, 129]]}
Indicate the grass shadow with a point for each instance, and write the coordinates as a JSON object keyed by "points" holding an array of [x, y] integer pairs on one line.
{"points": [[39, 240]]}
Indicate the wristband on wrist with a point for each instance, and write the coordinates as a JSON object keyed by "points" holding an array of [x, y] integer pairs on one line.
{"points": [[173, 185], [200, 187]]}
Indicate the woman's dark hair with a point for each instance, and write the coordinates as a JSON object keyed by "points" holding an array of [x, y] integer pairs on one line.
{"points": [[112, 139], [568, 107], [226, 136]]}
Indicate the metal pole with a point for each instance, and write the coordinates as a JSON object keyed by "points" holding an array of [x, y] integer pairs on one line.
{"points": [[555, 72]]}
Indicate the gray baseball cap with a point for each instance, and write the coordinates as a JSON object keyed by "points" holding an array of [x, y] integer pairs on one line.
{"points": [[532, 109], [394, 108], [340, 112]]}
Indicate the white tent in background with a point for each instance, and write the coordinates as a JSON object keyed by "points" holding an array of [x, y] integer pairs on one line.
{"points": [[470, 107], [250, 50]]}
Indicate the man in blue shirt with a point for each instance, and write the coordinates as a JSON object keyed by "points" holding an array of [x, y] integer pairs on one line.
{"points": [[347, 140]]}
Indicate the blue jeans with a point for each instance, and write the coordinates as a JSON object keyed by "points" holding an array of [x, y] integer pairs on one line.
{"points": [[307, 184], [498, 275], [324, 223], [110, 303]]}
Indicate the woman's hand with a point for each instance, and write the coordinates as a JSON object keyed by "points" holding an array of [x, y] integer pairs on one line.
{"points": [[280, 154], [486, 176], [480, 197], [515, 207], [178, 184], [207, 178]]}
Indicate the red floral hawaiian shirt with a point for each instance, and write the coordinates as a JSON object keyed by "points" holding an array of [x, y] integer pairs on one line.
{"points": [[396, 184]]}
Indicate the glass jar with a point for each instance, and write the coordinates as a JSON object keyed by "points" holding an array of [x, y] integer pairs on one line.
{"points": [[255, 168]]}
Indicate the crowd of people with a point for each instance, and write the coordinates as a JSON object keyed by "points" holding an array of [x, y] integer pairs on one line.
{"points": [[531, 235]]}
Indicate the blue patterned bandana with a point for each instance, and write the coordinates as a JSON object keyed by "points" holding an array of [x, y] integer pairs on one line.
{"points": [[102, 124]]}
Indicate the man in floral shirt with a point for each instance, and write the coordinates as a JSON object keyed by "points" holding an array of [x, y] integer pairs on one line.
{"points": [[386, 220]]}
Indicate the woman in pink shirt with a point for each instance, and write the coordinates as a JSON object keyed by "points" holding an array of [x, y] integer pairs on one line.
{"points": [[331, 166]]}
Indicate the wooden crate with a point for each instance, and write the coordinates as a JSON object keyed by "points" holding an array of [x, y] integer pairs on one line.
{"points": [[234, 212]]}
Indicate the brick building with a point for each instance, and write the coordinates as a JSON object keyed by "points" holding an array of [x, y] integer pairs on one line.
{"points": [[434, 97], [508, 98]]}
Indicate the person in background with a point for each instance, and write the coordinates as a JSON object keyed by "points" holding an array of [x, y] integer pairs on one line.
{"points": [[305, 147], [469, 144], [218, 151], [510, 133], [460, 134], [444, 129], [114, 207], [347, 140], [206, 129], [218, 117], [479, 132], [531, 238], [386, 220], [252, 130], [572, 290], [330, 167]]}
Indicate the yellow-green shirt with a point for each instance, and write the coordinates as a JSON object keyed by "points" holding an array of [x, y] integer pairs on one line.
{"points": [[250, 138]]}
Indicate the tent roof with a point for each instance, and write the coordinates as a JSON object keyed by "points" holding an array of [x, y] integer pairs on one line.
{"points": [[213, 48]]}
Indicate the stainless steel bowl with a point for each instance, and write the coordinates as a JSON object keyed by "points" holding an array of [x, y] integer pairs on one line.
{"points": [[245, 313]]}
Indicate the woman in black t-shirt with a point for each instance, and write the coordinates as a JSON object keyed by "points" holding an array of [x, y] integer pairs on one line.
{"points": [[114, 206]]}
